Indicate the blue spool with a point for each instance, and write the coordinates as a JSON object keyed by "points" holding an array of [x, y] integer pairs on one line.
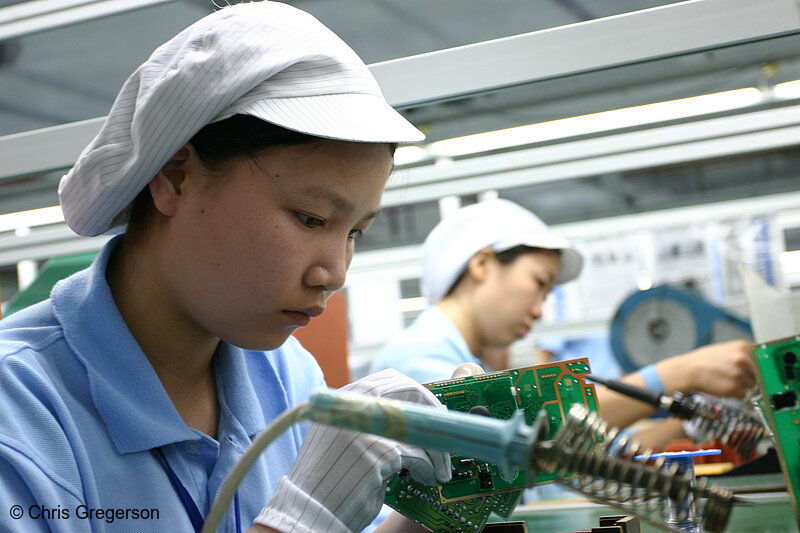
{"points": [[704, 316]]}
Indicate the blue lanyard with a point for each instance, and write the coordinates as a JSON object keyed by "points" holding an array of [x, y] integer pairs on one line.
{"points": [[195, 516]]}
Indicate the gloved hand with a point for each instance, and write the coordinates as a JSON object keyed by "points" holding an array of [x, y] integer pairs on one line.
{"points": [[338, 481]]}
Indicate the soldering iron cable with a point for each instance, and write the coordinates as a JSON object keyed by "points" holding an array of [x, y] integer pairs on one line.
{"points": [[245, 463], [510, 444]]}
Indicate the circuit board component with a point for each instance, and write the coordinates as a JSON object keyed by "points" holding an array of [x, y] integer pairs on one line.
{"points": [[778, 373], [478, 489]]}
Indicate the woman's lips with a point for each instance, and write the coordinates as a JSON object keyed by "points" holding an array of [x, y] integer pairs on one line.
{"points": [[298, 317]]}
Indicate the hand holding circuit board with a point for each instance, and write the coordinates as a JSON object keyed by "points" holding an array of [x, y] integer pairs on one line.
{"points": [[572, 446], [477, 488]]}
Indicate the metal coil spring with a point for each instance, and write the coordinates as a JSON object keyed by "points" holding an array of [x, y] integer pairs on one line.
{"points": [[609, 472], [734, 427]]}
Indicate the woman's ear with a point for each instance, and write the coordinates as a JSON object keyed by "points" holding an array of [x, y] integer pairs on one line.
{"points": [[166, 186], [480, 263]]}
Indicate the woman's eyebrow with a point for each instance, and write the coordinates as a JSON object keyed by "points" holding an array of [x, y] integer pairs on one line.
{"points": [[372, 215], [339, 202]]}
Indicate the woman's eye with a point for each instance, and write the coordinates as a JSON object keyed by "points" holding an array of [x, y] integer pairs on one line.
{"points": [[355, 234], [309, 221]]}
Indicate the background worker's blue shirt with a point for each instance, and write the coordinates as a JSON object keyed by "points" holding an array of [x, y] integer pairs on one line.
{"points": [[83, 412], [428, 350], [596, 347]]}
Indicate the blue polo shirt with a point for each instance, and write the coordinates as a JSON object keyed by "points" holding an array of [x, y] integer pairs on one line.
{"points": [[82, 414], [428, 350]]}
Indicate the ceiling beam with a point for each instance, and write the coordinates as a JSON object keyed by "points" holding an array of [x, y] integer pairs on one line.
{"points": [[762, 130], [639, 36], [36, 16]]}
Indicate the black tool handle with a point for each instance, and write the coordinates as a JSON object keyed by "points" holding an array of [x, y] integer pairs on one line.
{"points": [[643, 395]]}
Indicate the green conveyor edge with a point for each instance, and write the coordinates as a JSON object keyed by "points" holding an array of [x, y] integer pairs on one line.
{"points": [[52, 271]]}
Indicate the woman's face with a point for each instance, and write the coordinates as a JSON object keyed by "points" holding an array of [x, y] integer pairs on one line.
{"points": [[512, 295], [255, 256]]}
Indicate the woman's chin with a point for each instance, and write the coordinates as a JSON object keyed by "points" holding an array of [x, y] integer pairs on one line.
{"points": [[263, 344]]}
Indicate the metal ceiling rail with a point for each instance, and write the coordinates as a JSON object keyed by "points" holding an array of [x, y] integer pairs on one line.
{"points": [[636, 37], [370, 264], [37, 16], [660, 32], [762, 130], [739, 134], [46, 149], [46, 242]]}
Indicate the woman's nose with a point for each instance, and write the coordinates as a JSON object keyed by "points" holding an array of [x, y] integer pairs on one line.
{"points": [[330, 270]]}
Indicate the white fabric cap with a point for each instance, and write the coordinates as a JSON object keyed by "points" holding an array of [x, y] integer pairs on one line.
{"points": [[265, 59], [498, 223]]}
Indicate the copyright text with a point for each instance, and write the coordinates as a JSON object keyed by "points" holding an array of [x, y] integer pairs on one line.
{"points": [[81, 512]]}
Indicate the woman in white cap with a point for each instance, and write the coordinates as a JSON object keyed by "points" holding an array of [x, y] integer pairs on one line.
{"points": [[239, 163], [486, 271]]}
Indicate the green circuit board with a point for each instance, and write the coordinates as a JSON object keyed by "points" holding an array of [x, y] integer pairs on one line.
{"points": [[778, 373], [477, 488]]}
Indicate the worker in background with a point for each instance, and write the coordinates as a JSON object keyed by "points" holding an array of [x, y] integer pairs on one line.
{"points": [[595, 346], [486, 271], [238, 164]]}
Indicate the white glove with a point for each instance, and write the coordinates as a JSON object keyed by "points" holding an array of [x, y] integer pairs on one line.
{"points": [[338, 482]]}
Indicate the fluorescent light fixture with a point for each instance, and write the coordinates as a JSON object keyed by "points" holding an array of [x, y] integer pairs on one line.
{"points": [[790, 262], [34, 217], [787, 90], [406, 155], [597, 122]]}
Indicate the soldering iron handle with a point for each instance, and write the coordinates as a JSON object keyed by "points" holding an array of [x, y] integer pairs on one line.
{"points": [[506, 443], [647, 396]]}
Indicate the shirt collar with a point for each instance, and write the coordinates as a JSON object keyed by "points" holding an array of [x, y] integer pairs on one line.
{"points": [[236, 390], [437, 319], [124, 387]]}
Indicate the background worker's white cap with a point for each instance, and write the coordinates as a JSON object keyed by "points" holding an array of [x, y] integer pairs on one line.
{"points": [[498, 223], [265, 59]]}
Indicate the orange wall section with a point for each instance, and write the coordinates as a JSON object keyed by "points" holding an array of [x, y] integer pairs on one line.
{"points": [[326, 338]]}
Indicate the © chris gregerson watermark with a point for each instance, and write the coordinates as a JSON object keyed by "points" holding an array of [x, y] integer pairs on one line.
{"points": [[81, 512]]}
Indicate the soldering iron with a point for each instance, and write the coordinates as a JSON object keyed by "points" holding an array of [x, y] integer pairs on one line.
{"points": [[680, 405], [715, 419], [511, 444]]}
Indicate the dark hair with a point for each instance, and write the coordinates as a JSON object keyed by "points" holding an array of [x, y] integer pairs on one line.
{"points": [[508, 256], [220, 143], [505, 257], [240, 137]]}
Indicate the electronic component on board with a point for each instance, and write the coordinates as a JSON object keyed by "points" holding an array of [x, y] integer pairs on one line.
{"points": [[779, 384], [581, 454], [478, 489]]}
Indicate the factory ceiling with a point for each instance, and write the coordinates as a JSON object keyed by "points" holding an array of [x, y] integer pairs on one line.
{"points": [[62, 74]]}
